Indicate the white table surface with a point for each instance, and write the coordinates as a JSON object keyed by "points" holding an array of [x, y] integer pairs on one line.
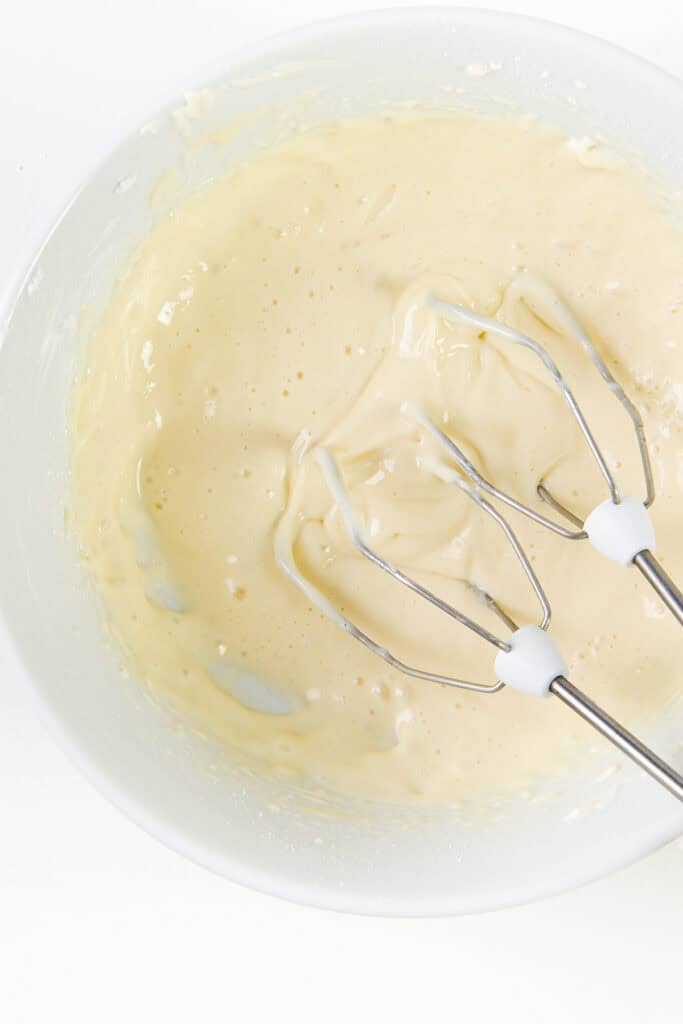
{"points": [[99, 922]]}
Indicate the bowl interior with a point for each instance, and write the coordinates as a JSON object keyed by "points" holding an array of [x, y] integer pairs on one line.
{"points": [[277, 837]]}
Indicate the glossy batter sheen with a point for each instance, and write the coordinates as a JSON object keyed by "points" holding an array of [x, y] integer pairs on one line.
{"points": [[284, 307]]}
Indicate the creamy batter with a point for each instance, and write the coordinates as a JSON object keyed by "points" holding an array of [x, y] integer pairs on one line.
{"points": [[283, 307]]}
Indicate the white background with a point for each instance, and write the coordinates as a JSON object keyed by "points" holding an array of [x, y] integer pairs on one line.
{"points": [[99, 922]]}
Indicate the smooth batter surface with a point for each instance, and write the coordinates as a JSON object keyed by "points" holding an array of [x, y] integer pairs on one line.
{"points": [[284, 307]]}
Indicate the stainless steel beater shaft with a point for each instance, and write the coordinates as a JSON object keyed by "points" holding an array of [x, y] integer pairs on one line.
{"points": [[650, 762], [661, 582]]}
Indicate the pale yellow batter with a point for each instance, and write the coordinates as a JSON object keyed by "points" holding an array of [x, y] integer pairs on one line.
{"points": [[285, 306]]}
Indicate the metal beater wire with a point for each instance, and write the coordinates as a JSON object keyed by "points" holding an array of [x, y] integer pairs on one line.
{"points": [[453, 311]]}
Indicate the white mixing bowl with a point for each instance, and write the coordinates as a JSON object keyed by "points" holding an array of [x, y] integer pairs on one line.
{"points": [[351, 856]]}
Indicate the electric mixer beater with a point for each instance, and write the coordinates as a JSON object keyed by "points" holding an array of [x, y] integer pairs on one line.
{"points": [[620, 528]]}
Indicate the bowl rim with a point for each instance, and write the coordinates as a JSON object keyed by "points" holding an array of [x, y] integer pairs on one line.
{"points": [[132, 804]]}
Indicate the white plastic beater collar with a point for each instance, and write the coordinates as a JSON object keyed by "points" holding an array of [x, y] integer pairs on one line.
{"points": [[532, 662], [622, 531]]}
